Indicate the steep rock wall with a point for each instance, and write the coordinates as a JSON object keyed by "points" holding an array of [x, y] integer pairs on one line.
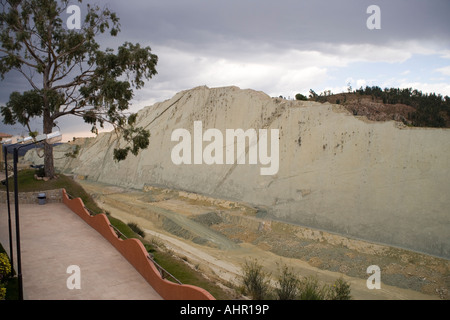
{"points": [[378, 181]]}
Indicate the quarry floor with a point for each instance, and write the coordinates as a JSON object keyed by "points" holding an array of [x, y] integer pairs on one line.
{"points": [[217, 237]]}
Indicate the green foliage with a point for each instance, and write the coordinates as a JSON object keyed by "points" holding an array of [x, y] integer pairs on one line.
{"points": [[254, 280], [40, 172], [340, 290], [288, 284], [300, 96], [139, 140], [22, 107], [310, 289], [312, 94], [74, 153], [5, 273], [431, 109], [121, 154], [27, 183], [322, 97], [184, 273], [68, 72], [5, 266], [2, 292], [133, 226]]}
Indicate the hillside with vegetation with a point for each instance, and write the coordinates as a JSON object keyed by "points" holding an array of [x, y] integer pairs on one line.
{"points": [[410, 106]]}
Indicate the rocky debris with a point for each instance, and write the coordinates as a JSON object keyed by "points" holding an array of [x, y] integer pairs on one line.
{"points": [[208, 219], [217, 227], [400, 268]]}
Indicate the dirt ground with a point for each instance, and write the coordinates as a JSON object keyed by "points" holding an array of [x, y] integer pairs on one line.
{"points": [[217, 237]]}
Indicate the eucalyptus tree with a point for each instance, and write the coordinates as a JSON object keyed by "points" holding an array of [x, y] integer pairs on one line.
{"points": [[68, 73]]}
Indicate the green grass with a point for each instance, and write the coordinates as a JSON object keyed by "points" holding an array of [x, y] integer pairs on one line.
{"points": [[179, 269], [27, 183], [186, 275]]}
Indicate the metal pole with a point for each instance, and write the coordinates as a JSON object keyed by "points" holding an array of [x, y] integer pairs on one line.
{"points": [[16, 200], [11, 254]]}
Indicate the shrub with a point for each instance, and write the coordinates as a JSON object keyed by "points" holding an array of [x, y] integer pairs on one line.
{"points": [[310, 289], [300, 96], [2, 292], [5, 272], [133, 226], [255, 281], [288, 284], [40, 172], [340, 290], [5, 266]]}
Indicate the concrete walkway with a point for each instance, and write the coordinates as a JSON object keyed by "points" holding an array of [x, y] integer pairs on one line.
{"points": [[54, 238]]}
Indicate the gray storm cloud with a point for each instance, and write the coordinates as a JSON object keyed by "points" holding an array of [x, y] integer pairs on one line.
{"points": [[257, 43]]}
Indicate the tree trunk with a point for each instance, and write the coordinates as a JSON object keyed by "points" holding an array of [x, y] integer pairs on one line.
{"points": [[49, 168]]}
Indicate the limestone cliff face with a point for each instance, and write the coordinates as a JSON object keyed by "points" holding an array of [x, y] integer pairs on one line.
{"points": [[378, 181]]}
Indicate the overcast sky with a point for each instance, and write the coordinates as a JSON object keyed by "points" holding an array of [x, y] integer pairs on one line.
{"points": [[280, 47]]}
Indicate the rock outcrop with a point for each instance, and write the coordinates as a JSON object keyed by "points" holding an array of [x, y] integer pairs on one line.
{"points": [[378, 181]]}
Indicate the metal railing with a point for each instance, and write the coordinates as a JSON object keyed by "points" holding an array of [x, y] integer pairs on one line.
{"points": [[163, 272]]}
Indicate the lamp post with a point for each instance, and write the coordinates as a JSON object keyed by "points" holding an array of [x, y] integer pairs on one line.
{"points": [[50, 138], [16, 203], [5, 152]]}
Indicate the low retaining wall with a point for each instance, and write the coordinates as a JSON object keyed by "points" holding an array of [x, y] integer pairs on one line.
{"points": [[134, 251], [52, 196]]}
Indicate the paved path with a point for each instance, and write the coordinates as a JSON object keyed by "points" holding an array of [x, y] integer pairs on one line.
{"points": [[54, 238]]}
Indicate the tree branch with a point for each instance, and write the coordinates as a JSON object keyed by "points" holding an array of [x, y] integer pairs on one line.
{"points": [[18, 58], [29, 79]]}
